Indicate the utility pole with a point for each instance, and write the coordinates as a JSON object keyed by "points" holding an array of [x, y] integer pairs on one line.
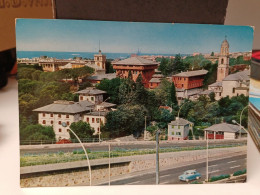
{"points": [[207, 163], [145, 127], [157, 156], [109, 164]]}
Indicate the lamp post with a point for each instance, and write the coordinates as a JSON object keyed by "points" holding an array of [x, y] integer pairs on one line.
{"points": [[157, 156], [241, 120], [145, 127], [235, 122], [207, 161], [85, 154]]}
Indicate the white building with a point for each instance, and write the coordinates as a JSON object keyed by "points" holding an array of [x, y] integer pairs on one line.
{"points": [[233, 85], [91, 94], [179, 129], [61, 114], [223, 131]]}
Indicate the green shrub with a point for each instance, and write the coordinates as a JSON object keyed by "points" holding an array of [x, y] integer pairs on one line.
{"points": [[220, 177], [196, 182], [240, 172]]}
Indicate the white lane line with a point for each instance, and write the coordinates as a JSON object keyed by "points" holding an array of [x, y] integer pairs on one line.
{"points": [[232, 161], [214, 171], [234, 167], [134, 182], [164, 176], [213, 165]]}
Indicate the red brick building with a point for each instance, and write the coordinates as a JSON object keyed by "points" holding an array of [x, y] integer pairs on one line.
{"points": [[136, 65], [189, 79]]}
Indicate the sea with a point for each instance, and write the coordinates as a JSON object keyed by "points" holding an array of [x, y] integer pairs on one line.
{"points": [[69, 55]]}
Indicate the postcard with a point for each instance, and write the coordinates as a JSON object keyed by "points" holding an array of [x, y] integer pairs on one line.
{"points": [[132, 103]]}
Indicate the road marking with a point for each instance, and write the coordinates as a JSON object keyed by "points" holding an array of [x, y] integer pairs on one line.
{"points": [[164, 176], [232, 161], [134, 182], [234, 167], [214, 171], [213, 165]]}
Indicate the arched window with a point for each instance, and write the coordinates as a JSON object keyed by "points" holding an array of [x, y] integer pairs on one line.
{"points": [[222, 61]]}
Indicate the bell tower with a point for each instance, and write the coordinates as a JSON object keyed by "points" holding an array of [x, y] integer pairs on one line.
{"points": [[100, 59], [223, 61]]}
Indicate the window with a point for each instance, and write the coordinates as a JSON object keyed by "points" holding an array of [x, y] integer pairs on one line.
{"points": [[97, 120], [178, 133], [93, 120], [233, 90], [51, 115], [92, 98], [98, 129], [59, 115], [173, 133], [59, 122], [43, 114], [60, 130], [88, 119], [44, 122], [179, 127], [68, 123], [67, 116], [51, 122], [173, 126]]}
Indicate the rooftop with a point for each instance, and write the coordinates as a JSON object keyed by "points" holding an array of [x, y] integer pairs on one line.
{"points": [[192, 73], [91, 91], [137, 60], [225, 127], [155, 80], [99, 77], [106, 104], [243, 75], [63, 106], [216, 84], [180, 121]]}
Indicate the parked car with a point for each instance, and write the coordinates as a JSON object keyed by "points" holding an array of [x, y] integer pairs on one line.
{"points": [[189, 175]]}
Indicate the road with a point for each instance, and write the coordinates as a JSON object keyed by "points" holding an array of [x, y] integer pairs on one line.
{"points": [[170, 176], [55, 148]]}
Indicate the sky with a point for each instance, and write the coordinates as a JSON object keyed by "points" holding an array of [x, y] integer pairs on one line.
{"points": [[128, 37]]}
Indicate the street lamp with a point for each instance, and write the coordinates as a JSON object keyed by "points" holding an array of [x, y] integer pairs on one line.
{"points": [[85, 154], [241, 120], [235, 122], [157, 156]]}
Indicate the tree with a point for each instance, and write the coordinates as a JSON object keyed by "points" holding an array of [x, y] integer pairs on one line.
{"points": [[37, 132], [212, 53], [82, 130]]}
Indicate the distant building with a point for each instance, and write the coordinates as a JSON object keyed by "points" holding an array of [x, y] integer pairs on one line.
{"points": [[179, 129], [223, 131], [91, 94], [99, 77], [188, 84], [233, 85], [155, 81], [223, 61], [136, 65]]}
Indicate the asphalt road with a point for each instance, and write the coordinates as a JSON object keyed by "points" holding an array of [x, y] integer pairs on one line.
{"points": [[124, 145], [170, 176]]}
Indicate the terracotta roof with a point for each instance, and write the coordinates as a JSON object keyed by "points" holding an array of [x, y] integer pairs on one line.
{"points": [[63, 106], [91, 91], [192, 73], [243, 75], [135, 61], [180, 121], [225, 127]]}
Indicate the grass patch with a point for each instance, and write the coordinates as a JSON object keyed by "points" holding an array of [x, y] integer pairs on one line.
{"points": [[77, 155], [240, 172], [220, 177]]}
